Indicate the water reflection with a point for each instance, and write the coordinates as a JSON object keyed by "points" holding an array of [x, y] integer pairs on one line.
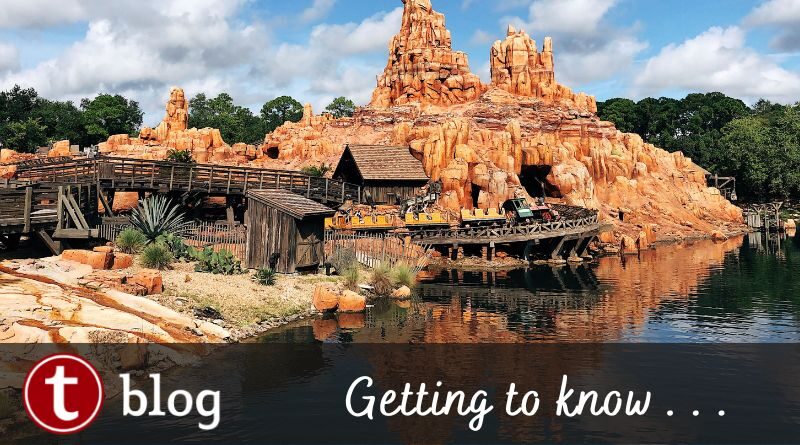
{"points": [[741, 290]]}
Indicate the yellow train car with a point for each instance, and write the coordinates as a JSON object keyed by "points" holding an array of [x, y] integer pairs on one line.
{"points": [[435, 219]]}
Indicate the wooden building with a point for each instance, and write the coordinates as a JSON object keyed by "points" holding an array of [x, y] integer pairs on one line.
{"points": [[385, 173], [287, 225]]}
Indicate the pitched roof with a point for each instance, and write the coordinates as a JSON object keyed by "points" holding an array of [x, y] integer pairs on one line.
{"points": [[295, 205], [381, 162]]}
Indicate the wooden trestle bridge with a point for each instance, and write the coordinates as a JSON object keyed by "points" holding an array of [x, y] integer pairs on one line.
{"points": [[58, 199]]}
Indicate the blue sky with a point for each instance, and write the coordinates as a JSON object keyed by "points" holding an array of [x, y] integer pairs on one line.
{"points": [[315, 50]]}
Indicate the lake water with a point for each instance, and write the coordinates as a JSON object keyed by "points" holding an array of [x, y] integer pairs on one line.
{"points": [[745, 290]]}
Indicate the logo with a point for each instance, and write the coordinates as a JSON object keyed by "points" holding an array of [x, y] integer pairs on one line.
{"points": [[63, 394]]}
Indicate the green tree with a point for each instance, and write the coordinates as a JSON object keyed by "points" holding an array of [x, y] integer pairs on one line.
{"points": [[236, 123], [62, 120], [280, 110], [17, 104], [341, 107], [763, 152], [26, 135], [107, 115]]}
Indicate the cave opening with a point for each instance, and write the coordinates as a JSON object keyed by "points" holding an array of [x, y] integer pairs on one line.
{"points": [[273, 152], [476, 193], [534, 179]]}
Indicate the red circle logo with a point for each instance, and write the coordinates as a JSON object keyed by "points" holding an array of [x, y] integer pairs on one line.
{"points": [[63, 394]]}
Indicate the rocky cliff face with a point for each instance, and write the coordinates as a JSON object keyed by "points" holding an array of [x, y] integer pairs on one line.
{"points": [[523, 135], [423, 68], [206, 144]]}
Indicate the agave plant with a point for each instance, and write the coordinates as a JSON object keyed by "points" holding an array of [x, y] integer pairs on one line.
{"points": [[157, 216]]}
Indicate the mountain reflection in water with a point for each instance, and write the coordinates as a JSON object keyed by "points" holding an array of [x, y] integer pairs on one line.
{"points": [[742, 290]]}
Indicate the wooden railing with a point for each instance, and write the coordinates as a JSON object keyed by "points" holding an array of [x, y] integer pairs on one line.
{"points": [[26, 209], [139, 174], [377, 248], [198, 234]]}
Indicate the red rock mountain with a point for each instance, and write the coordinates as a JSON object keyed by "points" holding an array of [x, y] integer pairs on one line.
{"points": [[488, 143], [523, 134]]}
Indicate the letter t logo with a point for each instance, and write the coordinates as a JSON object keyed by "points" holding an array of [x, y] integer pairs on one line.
{"points": [[58, 382]]}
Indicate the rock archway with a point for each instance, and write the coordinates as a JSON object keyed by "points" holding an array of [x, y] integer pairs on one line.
{"points": [[534, 178]]}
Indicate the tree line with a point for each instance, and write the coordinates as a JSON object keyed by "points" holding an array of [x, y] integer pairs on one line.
{"points": [[759, 145], [29, 121]]}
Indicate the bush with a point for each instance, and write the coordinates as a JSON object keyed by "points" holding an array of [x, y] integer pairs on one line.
{"points": [[316, 171], [156, 256], [352, 277], [382, 279], [218, 263], [176, 245], [157, 216], [180, 156], [131, 241], [265, 277], [342, 259], [404, 275]]}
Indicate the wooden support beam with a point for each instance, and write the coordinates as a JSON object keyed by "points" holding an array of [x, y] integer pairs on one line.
{"points": [[556, 253], [28, 206], [107, 207], [55, 247]]}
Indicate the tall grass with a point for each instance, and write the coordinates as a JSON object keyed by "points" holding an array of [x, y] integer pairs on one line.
{"points": [[404, 275], [131, 241], [352, 277], [156, 256], [381, 280]]}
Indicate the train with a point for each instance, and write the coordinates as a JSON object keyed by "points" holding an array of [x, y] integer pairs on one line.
{"points": [[513, 212]]}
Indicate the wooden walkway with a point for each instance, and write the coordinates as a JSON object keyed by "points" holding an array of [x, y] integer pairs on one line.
{"points": [[124, 174]]}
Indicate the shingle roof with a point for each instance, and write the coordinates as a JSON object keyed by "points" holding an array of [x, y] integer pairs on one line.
{"points": [[381, 162], [298, 206]]}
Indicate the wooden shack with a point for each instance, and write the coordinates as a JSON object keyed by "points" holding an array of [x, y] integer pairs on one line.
{"points": [[287, 225], [387, 174]]}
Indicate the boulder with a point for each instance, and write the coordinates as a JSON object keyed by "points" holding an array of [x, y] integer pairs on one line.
{"points": [[100, 260], [75, 255], [150, 280], [790, 224], [628, 245], [122, 261], [106, 249], [718, 236], [326, 297], [402, 293], [350, 301]]}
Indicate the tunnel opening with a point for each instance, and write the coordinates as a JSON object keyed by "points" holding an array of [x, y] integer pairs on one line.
{"points": [[476, 193], [534, 179], [273, 152]]}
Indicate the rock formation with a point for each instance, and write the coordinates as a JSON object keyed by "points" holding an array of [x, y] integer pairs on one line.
{"points": [[422, 65], [517, 67], [206, 144], [524, 134]]}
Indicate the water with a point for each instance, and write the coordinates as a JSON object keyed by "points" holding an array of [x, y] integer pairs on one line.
{"points": [[745, 290]]}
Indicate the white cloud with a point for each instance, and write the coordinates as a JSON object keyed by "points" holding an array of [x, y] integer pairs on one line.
{"points": [[318, 10], [568, 16], [481, 37], [40, 13], [140, 48], [717, 60], [9, 58], [587, 47], [784, 17], [336, 60]]}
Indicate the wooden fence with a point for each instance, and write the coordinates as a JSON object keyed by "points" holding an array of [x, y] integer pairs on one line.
{"points": [[198, 234], [375, 248]]}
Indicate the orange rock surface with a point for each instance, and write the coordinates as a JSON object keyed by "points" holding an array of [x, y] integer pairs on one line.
{"points": [[422, 64], [499, 143], [206, 144]]}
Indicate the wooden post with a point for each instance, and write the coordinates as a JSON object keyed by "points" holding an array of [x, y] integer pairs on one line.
{"points": [[28, 205]]}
